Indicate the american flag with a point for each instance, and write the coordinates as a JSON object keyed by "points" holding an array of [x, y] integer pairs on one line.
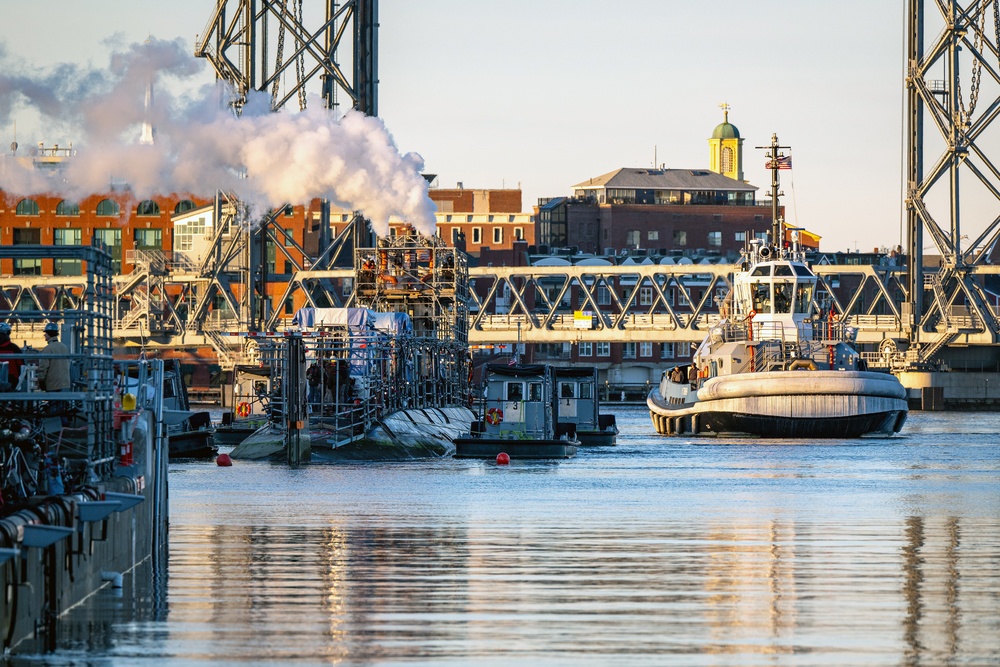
{"points": [[783, 162], [513, 361]]}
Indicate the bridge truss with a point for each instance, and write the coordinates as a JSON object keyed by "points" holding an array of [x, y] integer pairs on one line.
{"points": [[953, 99]]}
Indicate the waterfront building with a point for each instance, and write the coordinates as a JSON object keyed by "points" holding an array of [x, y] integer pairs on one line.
{"points": [[660, 211]]}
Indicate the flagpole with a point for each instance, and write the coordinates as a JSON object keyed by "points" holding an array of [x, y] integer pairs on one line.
{"points": [[776, 160]]}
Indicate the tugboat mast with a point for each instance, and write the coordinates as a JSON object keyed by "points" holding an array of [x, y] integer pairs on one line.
{"points": [[776, 160]]}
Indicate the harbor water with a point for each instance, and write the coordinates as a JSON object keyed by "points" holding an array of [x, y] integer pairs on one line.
{"points": [[659, 551]]}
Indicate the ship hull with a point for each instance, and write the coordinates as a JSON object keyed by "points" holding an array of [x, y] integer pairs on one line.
{"points": [[788, 404], [490, 448]]}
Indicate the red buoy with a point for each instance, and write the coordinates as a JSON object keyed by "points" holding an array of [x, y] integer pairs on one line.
{"points": [[503, 459], [223, 460]]}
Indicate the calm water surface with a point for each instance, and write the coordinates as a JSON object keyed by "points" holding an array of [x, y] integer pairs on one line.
{"points": [[655, 552]]}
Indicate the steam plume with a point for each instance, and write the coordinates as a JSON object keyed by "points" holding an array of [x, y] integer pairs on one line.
{"points": [[268, 159]]}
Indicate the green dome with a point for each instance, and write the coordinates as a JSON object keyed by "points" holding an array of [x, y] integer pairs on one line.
{"points": [[726, 131]]}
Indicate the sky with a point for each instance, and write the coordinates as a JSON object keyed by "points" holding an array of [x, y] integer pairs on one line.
{"points": [[543, 95]]}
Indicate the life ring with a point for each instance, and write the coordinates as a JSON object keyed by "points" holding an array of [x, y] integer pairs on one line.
{"points": [[243, 409], [494, 416]]}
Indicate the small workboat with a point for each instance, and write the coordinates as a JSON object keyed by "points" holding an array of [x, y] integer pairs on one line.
{"points": [[518, 417]]}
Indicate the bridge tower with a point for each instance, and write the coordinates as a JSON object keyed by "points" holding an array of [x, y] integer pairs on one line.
{"points": [[245, 43], [952, 99], [285, 49]]}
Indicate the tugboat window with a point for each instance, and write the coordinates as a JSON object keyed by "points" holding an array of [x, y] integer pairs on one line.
{"points": [[782, 270], [566, 390], [762, 297], [762, 271], [803, 297], [782, 297]]}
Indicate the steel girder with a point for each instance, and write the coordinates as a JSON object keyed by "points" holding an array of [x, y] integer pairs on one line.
{"points": [[966, 44], [244, 42]]}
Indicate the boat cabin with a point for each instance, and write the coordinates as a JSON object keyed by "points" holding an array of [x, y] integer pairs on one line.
{"points": [[776, 294], [576, 396], [517, 402]]}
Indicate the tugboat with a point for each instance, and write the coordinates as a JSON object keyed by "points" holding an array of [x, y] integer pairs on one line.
{"points": [[518, 417], [776, 365]]}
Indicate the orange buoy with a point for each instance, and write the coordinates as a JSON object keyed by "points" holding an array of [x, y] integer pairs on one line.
{"points": [[503, 459], [223, 460]]}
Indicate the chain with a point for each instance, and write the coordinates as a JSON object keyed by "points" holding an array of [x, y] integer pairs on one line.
{"points": [[977, 66], [300, 61], [279, 58]]}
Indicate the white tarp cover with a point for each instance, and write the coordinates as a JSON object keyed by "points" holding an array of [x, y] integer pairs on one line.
{"points": [[396, 324], [356, 319]]}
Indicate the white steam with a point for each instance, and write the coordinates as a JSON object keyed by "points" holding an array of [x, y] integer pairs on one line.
{"points": [[267, 159]]}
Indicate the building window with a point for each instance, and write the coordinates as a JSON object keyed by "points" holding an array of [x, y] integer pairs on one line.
{"points": [[183, 206], [666, 350], [519, 233], [632, 238], [653, 235], [604, 349], [67, 236], [680, 237], [498, 234], [741, 237], [289, 238], [108, 207], [628, 351], [645, 296], [456, 233], [477, 235], [147, 208], [67, 267], [27, 267], [727, 159], [27, 236], [586, 349], [27, 207], [148, 239], [761, 236], [67, 208], [715, 238], [112, 240], [603, 295], [645, 350]]}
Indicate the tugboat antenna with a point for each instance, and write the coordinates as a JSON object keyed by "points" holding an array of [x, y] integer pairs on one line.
{"points": [[775, 161]]}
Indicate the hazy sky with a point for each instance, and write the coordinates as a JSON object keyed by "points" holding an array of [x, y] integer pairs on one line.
{"points": [[548, 94]]}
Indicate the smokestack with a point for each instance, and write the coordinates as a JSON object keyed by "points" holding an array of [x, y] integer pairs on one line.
{"points": [[147, 127]]}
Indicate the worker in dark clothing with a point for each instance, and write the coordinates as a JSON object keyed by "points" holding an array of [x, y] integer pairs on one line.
{"points": [[9, 353]]}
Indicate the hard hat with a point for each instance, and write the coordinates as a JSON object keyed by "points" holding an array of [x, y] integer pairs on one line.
{"points": [[4, 328], [51, 327]]}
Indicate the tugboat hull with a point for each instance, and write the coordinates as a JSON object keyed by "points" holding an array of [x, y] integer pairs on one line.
{"points": [[788, 404]]}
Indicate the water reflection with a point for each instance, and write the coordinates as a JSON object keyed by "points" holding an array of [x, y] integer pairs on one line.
{"points": [[653, 552]]}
